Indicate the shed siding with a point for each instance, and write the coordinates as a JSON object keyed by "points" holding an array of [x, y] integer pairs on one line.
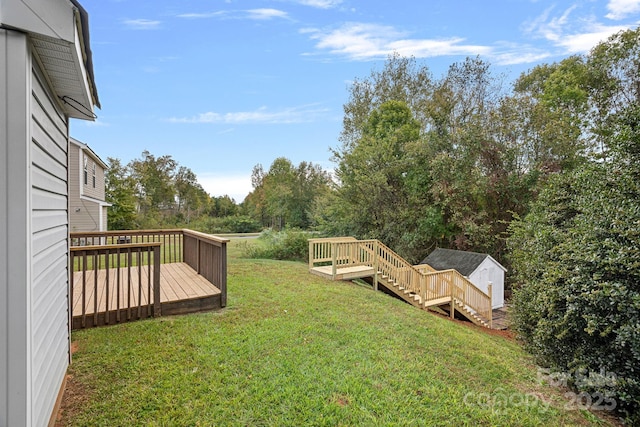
{"points": [[487, 272], [49, 241]]}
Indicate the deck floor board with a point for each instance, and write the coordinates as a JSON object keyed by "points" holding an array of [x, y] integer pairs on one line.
{"points": [[178, 282]]}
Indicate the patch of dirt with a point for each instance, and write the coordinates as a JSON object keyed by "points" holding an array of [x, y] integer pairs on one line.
{"points": [[340, 400], [75, 397], [504, 333]]}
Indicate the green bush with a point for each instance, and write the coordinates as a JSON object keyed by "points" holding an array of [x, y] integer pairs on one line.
{"points": [[289, 244], [227, 224], [576, 304]]}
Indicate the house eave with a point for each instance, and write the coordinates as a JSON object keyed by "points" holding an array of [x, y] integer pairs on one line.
{"points": [[96, 201], [84, 147], [58, 30]]}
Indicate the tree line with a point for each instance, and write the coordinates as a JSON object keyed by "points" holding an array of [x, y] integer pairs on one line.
{"points": [[155, 192]]}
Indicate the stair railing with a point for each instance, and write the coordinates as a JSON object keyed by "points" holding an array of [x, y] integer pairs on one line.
{"points": [[421, 280]]}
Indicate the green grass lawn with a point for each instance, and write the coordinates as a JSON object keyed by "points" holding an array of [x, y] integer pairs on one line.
{"points": [[294, 349]]}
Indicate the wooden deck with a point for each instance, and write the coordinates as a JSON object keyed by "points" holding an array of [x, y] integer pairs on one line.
{"points": [[182, 290], [343, 273]]}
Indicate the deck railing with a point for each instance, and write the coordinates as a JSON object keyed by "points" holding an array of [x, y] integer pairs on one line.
{"points": [[171, 240], [420, 280], [207, 255], [472, 296], [134, 290]]}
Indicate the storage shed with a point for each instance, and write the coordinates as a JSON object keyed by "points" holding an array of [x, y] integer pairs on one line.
{"points": [[480, 269], [46, 77]]}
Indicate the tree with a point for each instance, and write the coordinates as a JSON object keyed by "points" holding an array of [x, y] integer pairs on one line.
{"points": [[154, 178], [284, 196], [191, 199], [119, 191], [614, 68], [401, 79], [452, 183], [223, 206], [555, 122]]}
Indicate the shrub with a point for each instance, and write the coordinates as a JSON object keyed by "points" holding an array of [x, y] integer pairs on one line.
{"points": [[283, 245], [227, 224], [576, 257]]}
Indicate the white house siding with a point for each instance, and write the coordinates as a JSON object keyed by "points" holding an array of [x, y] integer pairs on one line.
{"points": [[489, 271], [34, 326], [15, 272], [49, 301], [4, 233], [34, 314]]}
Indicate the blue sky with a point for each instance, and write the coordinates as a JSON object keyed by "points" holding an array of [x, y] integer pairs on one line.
{"points": [[223, 85]]}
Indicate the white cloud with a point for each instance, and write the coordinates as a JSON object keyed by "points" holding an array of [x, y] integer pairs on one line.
{"points": [[549, 28], [142, 24], [235, 185], [572, 35], [362, 41], [321, 4], [620, 9], [519, 55], [302, 114], [583, 42], [204, 15], [266, 14], [255, 14]]}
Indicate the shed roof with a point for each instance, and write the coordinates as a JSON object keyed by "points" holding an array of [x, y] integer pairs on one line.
{"points": [[463, 261]]}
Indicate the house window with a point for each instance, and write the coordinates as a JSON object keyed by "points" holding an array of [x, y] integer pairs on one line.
{"points": [[86, 160], [94, 175]]}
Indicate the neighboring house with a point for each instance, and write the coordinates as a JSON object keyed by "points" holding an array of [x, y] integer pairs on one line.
{"points": [[87, 207], [480, 269], [46, 78]]}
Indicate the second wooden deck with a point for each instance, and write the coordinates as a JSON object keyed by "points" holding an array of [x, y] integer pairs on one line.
{"points": [[343, 273], [182, 290]]}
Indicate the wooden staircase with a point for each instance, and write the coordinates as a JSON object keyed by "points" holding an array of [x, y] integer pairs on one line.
{"points": [[446, 291]]}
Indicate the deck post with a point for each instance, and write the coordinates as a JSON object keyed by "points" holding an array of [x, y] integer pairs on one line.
{"points": [[376, 249], [223, 274], [423, 289], [334, 260], [451, 287], [490, 289], [157, 307], [198, 249]]}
